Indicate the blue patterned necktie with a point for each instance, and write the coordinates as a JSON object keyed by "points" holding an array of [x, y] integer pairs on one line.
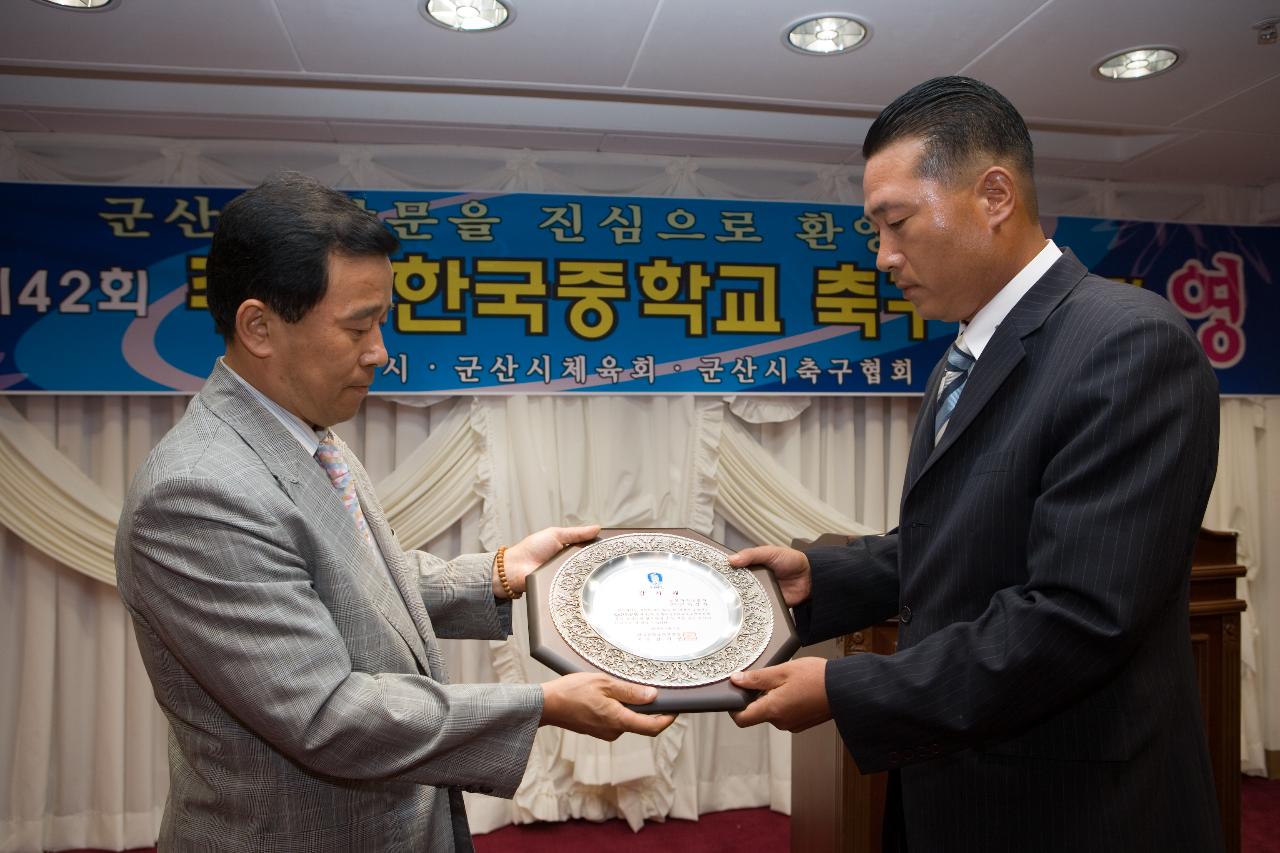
{"points": [[959, 363], [330, 458]]}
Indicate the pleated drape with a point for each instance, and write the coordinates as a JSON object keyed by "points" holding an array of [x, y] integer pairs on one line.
{"points": [[82, 741]]}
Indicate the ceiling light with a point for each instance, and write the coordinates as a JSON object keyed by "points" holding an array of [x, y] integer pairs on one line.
{"points": [[1137, 63], [79, 5], [825, 35], [468, 15], [1268, 32]]}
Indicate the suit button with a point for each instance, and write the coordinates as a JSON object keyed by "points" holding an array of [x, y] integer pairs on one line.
{"points": [[904, 615]]}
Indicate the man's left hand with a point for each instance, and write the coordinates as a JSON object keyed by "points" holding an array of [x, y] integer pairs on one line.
{"points": [[794, 695], [534, 550]]}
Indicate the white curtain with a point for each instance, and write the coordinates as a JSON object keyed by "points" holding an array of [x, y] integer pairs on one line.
{"points": [[1237, 503], [86, 744], [82, 742]]}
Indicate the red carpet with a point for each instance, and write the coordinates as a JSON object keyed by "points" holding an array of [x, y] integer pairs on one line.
{"points": [[1259, 815], [758, 830], [763, 831]]}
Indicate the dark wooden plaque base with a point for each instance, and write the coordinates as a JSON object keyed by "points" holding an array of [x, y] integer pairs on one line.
{"points": [[548, 647]]}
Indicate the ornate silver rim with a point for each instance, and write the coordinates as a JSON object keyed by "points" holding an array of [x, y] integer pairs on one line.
{"points": [[566, 612]]}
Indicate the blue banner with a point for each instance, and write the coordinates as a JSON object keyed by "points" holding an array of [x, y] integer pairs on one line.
{"points": [[102, 290]]}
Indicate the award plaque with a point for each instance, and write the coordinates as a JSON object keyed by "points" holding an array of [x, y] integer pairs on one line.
{"points": [[659, 607]]}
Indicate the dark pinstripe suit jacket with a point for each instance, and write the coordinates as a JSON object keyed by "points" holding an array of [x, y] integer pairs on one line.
{"points": [[303, 683], [1043, 696]]}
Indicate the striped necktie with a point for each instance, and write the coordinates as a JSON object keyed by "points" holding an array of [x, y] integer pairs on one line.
{"points": [[330, 458], [959, 363]]}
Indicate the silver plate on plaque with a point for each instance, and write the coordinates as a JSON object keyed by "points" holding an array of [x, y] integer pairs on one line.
{"points": [[660, 609]]}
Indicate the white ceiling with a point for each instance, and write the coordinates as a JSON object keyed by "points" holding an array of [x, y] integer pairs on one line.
{"points": [[671, 77]]}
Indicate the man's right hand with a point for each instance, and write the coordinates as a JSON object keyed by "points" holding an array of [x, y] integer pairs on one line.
{"points": [[789, 566], [592, 704]]}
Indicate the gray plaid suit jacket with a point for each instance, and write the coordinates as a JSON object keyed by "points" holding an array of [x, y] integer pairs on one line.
{"points": [[306, 694], [1042, 697]]}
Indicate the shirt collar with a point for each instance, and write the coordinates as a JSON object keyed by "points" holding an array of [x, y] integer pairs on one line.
{"points": [[298, 428], [978, 331]]}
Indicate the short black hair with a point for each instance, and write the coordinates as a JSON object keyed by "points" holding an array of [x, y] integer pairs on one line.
{"points": [[273, 243], [958, 118]]}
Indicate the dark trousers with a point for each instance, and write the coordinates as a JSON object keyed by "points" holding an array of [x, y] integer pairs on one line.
{"points": [[894, 833]]}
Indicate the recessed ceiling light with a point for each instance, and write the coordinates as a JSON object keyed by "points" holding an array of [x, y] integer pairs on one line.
{"points": [[468, 15], [79, 5], [1268, 31], [1137, 63], [825, 35]]}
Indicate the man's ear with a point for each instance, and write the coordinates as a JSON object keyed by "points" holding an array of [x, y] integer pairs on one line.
{"points": [[998, 197], [254, 322]]}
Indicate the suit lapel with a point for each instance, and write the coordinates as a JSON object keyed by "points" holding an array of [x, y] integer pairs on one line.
{"points": [[373, 579], [393, 595], [409, 599], [922, 438], [308, 486], [227, 398], [999, 358]]}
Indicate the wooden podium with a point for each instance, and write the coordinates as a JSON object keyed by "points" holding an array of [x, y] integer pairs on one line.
{"points": [[1215, 646], [834, 807]]}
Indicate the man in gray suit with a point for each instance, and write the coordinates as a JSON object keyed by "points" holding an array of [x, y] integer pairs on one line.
{"points": [[1042, 697], [291, 641]]}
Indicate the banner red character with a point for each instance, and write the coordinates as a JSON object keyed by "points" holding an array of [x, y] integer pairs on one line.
{"points": [[1218, 294]]}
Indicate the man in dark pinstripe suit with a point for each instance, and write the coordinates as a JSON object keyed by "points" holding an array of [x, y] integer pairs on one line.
{"points": [[1042, 697], [293, 644]]}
